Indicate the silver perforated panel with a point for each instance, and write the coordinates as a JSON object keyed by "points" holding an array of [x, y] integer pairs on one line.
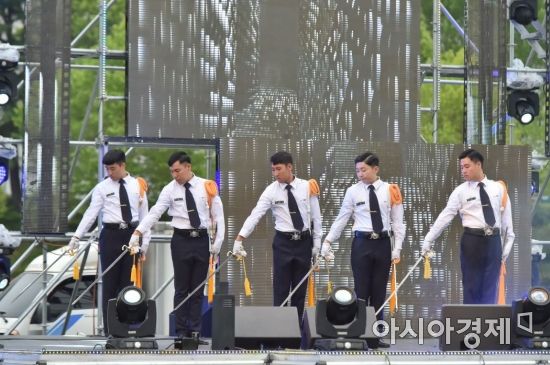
{"points": [[427, 174], [321, 69]]}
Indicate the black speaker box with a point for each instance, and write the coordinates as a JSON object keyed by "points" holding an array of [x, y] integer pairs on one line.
{"points": [[267, 328], [310, 328], [223, 322], [488, 325]]}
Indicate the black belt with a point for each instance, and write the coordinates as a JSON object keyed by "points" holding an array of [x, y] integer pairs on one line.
{"points": [[482, 231], [122, 225], [295, 236], [191, 233], [372, 235]]}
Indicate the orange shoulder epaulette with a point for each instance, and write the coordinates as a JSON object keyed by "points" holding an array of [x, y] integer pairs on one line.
{"points": [[395, 194], [143, 186], [211, 190], [504, 200], [314, 187]]}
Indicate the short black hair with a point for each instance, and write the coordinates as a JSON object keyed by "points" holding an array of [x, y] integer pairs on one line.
{"points": [[369, 158], [114, 156], [281, 157], [473, 155], [180, 157]]}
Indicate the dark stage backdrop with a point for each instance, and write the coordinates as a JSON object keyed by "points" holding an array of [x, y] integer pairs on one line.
{"points": [[427, 174], [312, 69]]}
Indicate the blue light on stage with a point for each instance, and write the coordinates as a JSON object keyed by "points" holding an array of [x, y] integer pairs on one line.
{"points": [[4, 170]]}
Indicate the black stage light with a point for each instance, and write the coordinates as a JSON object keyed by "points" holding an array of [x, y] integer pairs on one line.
{"points": [[130, 319], [6, 91], [4, 281], [523, 105], [531, 319], [523, 11], [341, 320]]}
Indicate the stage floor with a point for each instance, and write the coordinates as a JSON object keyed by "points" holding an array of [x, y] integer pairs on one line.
{"points": [[87, 350]]}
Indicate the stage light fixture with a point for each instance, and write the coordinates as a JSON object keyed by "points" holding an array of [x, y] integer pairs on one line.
{"points": [[6, 92], [4, 281], [9, 58], [531, 319], [131, 318], [341, 320], [523, 11], [523, 105]]}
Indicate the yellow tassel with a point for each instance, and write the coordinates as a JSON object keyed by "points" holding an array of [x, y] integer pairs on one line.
{"points": [[139, 274], [311, 291], [247, 289], [393, 285], [427, 268], [76, 271], [502, 285], [211, 281], [329, 283], [133, 273]]}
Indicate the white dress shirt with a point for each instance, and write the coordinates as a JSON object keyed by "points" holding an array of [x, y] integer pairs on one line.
{"points": [[105, 198], [172, 197], [275, 196], [356, 202], [465, 201]]}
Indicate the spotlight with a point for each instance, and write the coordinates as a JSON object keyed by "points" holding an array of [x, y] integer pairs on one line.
{"points": [[130, 319], [523, 11], [9, 58], [4, 281], [531, 319], [341, 320], [523, 105]]}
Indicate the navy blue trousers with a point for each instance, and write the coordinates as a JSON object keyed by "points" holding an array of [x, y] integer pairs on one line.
{"points": [[190, 259], [110, 247], [370, 263], [480, 261], [291, 262]]}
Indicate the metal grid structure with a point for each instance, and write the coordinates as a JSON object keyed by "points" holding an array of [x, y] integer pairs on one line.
{"points": [[46, 160]]}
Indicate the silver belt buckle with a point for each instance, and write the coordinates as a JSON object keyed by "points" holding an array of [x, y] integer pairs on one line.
{"points": [[488, 231], [123, 225], [374, 236], [194, 234], [296, 236]]}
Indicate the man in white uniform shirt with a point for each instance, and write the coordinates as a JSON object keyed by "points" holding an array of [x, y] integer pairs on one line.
{"points": [[193, 214], [298, 229], [376, 214], [123, 205], [479, 202]]}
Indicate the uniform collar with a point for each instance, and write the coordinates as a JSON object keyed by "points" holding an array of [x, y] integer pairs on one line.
{"points": [[193, 181], [125, 178], [376, 184], [474, 184], [293, 183]]}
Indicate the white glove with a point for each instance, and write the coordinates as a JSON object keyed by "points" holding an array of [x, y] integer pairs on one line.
{"points": [[504, 257], [74, 244], [396, 255], [326, 251], [238, 249], [426, 247], [133, 244]]}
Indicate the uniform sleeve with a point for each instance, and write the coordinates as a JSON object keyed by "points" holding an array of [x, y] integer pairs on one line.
{"points": [[445, 217], [163, 202], [143, 211], [91, 213], [342, 219], [398, 225], [218, 217], [316, 220], [507, 228], [264, 203]]}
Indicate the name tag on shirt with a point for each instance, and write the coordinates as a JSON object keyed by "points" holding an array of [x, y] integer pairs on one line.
{"points": [[360, 203], [279, 201], [470, 199], [178, 199], [110, 194]]}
